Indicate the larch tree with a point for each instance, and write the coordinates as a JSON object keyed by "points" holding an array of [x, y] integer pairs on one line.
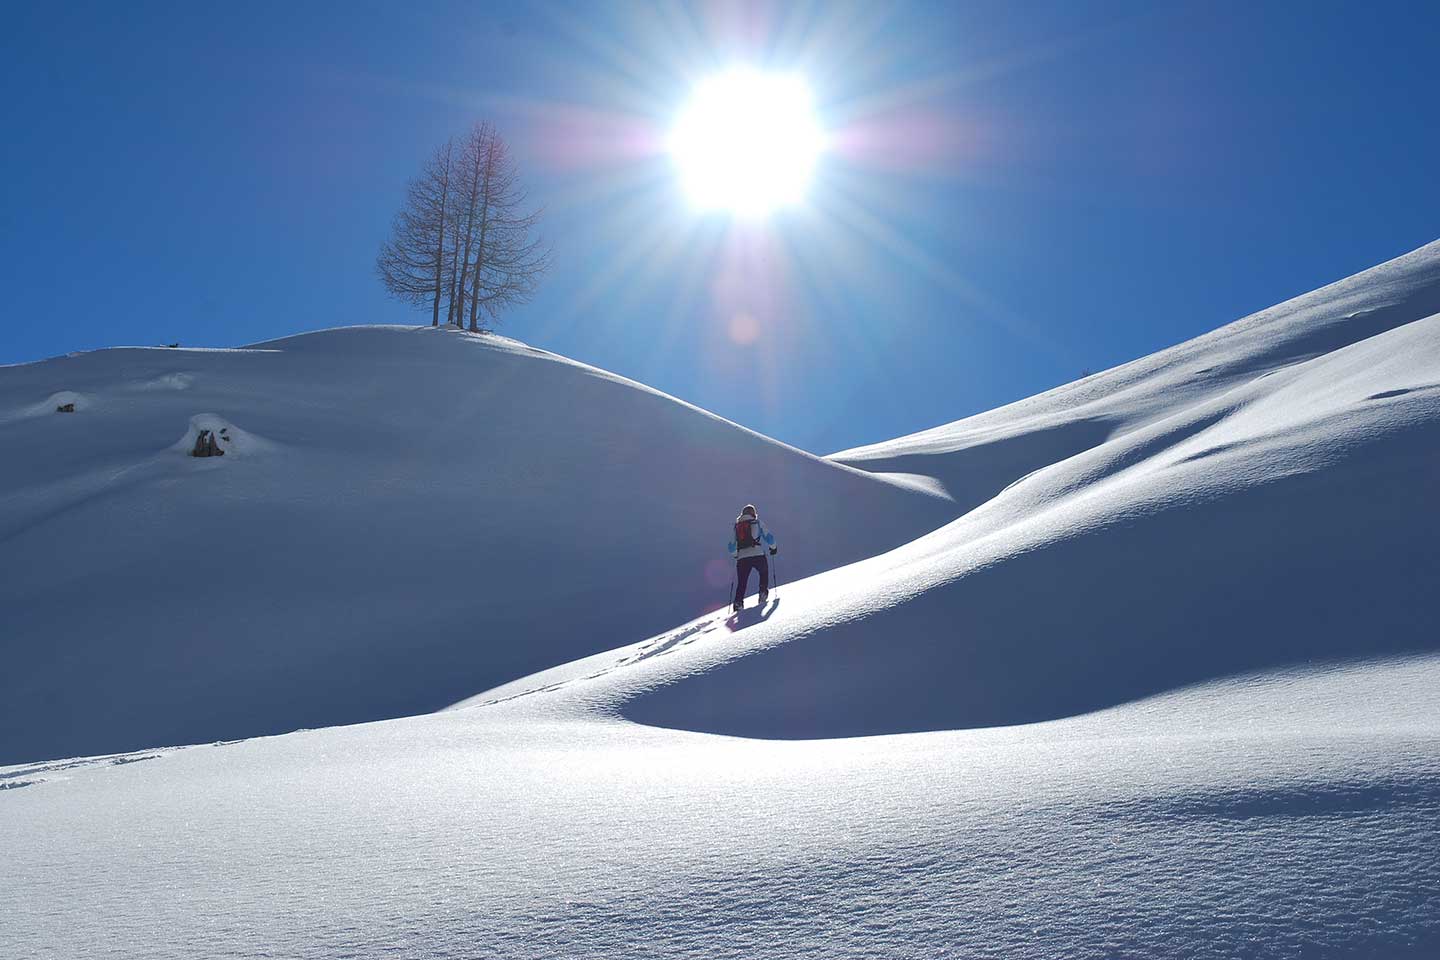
{"points": [[464, 235], [500, 259], [411, 264]]}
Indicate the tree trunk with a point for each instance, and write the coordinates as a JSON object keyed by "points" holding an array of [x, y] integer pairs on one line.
{"points": [[469, 236], [479, 260], [450, 304], [484, 222], [440, 239]]}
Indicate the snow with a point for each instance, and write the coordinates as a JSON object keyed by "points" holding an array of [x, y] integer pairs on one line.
{"points": [[1158, 674], [1151, 561], [390, 516]]}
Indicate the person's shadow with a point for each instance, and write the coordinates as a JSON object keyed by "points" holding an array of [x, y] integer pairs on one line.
{"points": [[750, 616]]}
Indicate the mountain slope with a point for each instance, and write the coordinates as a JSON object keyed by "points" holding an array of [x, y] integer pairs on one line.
{"points": [[397, 508], [1287, 521], [1278, 514]]}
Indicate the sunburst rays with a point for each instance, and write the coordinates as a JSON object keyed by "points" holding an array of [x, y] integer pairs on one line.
{"points": [[889, 127]]}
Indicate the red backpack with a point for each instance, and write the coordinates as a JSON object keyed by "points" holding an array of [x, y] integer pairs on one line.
{"points": [[745, 534]]}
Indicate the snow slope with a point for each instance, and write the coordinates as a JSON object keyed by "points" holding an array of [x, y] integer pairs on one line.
{"points": [[1285, 516], [979, 456], [396, 508], [1289, 816], [1159, 679]]}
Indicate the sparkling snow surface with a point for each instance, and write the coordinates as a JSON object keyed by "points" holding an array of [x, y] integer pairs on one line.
{"points": [[1160, 677]]}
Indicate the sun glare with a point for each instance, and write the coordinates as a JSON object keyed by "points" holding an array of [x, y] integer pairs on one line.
{"points": [[747, 142]]}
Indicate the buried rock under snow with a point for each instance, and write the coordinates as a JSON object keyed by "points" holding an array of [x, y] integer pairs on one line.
{"points": [[206, 445]]}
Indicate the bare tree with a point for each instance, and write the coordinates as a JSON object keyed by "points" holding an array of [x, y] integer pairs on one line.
{"points": [[464, 235], [500, 259], [411, 263]]}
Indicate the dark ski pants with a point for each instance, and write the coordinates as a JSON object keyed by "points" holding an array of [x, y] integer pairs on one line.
{"points": [[743, 566]]}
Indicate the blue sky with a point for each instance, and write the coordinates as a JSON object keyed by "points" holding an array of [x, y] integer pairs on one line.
{"points": [[1020, 192]]}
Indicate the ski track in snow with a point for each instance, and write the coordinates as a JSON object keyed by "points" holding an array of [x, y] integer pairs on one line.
{"points": [[655, 647], [1157, 675]]}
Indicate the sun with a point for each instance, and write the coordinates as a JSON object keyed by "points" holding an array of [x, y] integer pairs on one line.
{"points": [[747, 142]]}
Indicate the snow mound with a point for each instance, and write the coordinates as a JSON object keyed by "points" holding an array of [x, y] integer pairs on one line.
{"points": [[48, 406], [62, 398], [166, 381], [450, 512], [234, 441]]}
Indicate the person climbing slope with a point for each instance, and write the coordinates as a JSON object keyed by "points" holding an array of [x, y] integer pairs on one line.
{"points": [[748, 547]]}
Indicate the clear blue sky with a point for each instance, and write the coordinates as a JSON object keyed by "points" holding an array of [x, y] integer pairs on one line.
{"points": [[1021, 191]]}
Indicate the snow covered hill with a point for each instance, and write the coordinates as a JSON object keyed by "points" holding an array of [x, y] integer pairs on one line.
{"points": [[979, 456], [1157, 675], [403, 517], [1261, 497]]}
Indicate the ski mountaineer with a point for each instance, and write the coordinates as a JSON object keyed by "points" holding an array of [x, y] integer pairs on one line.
{"points": [[748, 547]]}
